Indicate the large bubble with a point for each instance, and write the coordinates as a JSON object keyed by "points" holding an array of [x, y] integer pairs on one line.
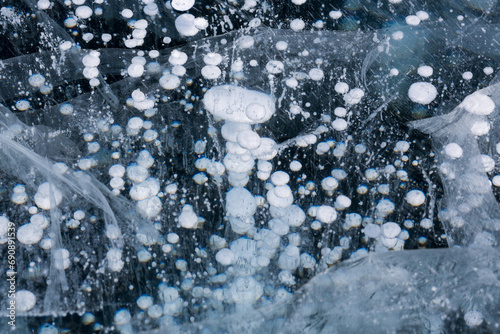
{"points": [[254, 167]]}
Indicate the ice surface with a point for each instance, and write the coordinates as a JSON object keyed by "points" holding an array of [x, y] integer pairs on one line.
{"points": [[256, 167], [425, 291]]}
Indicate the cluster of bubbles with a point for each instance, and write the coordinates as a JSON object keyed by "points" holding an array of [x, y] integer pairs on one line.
{"points": [[169, 163]]}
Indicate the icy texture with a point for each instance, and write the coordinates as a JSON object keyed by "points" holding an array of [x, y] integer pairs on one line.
{"points": [[213, 166], [470, 210], [412, 292]]}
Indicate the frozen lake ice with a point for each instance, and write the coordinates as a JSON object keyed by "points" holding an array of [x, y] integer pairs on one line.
{"points": [[249, 166]]}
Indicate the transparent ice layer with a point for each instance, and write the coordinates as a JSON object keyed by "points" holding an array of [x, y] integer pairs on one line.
{"points": [[254, 167]]}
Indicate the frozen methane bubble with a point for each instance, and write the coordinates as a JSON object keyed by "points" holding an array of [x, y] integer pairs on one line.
{"points": [[316, 74], [453, 150], [188, 218], [182, 5], [29, 234], [36, 80], [415, 197], [144, 302], [342, 202], [480, 128], [225, 257], [114, 258], [66, 109], [185, 25], [230, 103], [425, 71], [326, 214], [426, 223], [122, 317], [274, 67], [135, 70], [339, 124], [290, 258], [422, 92], [48, 196], [83, 12], [280, 178], [412, 20], [473, 318], [354, 96], [61, 259], [231, 130], [280, 196], [175, 120], [137, 173], [353, 220], [249, 140], [297, 25], [246, 290], [4, 226], [478, 104], [212, 58], [341, 87], [211, 72], [240, 203], [385, 207], [25, 300], [372, 231], [391, 230]]}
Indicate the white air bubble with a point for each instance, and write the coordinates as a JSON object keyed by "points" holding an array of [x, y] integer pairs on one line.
{"points": [[212, 58], [478, 104], [48, 196], [225, 257], [275, 67], [453, 150], [170, 81], [29, 234], [83, 12], [43, 4], [297, 25], [182, 5], [425, 71], [422, 92], [473, 318], [341, 87], [135, 70], [249, 140], [36, 80], [25, 300], [480, 128], [335, 14], [415, 197], [316, 74], [339, 124], [211, 72], [185, 25]]}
